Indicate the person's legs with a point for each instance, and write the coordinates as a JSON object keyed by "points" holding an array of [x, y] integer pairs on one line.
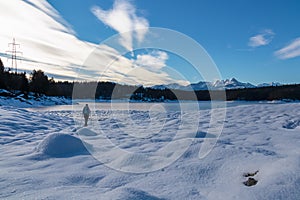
{"points": [[86, 117]]}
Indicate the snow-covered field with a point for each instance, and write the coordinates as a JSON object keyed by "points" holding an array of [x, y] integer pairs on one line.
{"points": [[43, 155]]}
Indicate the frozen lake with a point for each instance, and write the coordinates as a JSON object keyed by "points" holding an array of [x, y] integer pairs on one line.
{"points": [[141, 106]]}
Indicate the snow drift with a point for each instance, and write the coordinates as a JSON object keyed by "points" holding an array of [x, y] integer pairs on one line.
{"points": [[61, 145]]}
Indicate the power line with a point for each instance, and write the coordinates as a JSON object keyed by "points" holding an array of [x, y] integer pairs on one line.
{"points": [[14, 54]]}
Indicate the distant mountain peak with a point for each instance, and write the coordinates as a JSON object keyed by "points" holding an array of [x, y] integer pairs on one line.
{"points": [[234, 80], [228, 84], [269, 84]]}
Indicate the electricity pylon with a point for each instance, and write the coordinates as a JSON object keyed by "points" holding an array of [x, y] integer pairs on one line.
{"points": [[14, 54]]}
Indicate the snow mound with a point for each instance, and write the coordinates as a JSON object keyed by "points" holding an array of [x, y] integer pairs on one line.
{"points": [[61, 145], [86, 132]]}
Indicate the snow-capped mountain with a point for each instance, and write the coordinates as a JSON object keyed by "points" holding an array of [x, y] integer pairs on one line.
{"points": [[203, 85], [172, 86], [175, 86], [231, 84], [269, 84]]}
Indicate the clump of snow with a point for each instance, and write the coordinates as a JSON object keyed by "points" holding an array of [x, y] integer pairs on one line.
{"points": [[61, 145], [86, 132]]}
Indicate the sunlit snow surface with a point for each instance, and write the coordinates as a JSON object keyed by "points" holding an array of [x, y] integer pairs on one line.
{"points": [[259, 136]]}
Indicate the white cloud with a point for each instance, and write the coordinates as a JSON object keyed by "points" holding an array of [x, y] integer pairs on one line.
{"points": [[123, 18], [146, 69], [289, 51], [262, 39], [153, 61]]}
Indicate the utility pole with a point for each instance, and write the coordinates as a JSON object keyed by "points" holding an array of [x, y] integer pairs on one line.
{"points": [[14, 54]]}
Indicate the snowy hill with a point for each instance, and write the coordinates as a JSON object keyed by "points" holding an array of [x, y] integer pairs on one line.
{"points": [[9, 99]]}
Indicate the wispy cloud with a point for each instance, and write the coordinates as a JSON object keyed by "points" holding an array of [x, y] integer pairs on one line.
{"points": [[261, 39], [44, 37], [123, 18], [291, 50], [50, 44]]}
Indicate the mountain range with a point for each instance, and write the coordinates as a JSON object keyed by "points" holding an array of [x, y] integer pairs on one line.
{"points": [[217, 85]]}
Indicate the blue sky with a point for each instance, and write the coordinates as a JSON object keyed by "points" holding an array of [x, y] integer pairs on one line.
{"points": [[252, 40]]}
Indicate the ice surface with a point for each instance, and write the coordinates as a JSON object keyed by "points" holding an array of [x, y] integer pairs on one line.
{"points": [[41, 155]]}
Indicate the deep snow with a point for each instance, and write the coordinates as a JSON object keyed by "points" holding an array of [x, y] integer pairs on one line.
{"points": [[263, 137]]}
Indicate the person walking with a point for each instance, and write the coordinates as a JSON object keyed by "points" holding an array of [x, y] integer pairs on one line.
{"points": [[86, 114]]}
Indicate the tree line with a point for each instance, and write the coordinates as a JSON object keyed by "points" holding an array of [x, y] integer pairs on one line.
{"points": [[18, 82], [39, 83]]}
